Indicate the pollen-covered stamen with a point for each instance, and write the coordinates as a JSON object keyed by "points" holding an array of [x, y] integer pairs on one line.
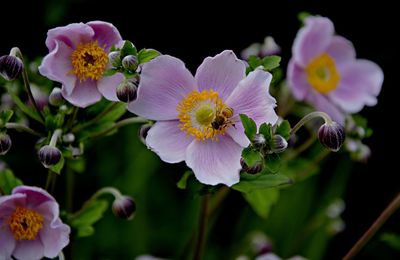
{"points": [[89, 60], [25, 224], [322, 73], [204, 115]]}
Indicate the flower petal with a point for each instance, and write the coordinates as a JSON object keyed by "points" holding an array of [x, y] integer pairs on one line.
{"points": [[167, 140], [7, 242], [221, 73], [34, 195], [105, 34], [84, 94], [71, 35], [57, 66], [107, 86], [361, 83], [251, 97], [29, 250], [215, 162], [341, 50], [324, 104], [164, 82], [8, 204], [312, 39], [297, 80]]}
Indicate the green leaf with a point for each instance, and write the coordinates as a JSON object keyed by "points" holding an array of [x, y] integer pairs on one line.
{"points": [[8, 181], [271, 62], [59, 166], [250, 127], [54, 122], [84, 219], [251, 157], [146, 55], [128, 49], [117, 111], [302, 16], [262, 200], [392, 239], [24, 108], [284, 129], [266, 131], [6, 115], [182, 183], [109, 72], [250, 182]]}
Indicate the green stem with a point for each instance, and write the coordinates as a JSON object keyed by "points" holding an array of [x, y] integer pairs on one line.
{"points": [[50, 181], [309, 117], [201, 233], [72, 118], [22, 128], [128, 121], [53, 141], [107, 110]]}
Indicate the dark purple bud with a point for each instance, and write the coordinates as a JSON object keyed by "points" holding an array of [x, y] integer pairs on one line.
{"points": [[5, 143], [143, 131], [130, 62], [256, 168], [331, 135], [49, 155], [124, 207], [279, 144], [114, 58], [56, 98], [11, 67], [127, 91]]}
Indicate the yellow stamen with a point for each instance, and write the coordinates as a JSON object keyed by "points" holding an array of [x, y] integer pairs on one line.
{"points": [[89, 60], [322, 74], [25, 224], [197, 112]]}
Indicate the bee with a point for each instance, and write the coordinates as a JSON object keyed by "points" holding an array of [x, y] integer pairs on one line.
{"points": [[222, 119]]}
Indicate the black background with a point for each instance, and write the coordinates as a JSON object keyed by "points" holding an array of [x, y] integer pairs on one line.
{"points": [[192, 31]]}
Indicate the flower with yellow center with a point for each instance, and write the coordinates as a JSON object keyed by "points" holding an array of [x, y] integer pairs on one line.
{"points": [[25, 224], [89, 60], [322, 74]]}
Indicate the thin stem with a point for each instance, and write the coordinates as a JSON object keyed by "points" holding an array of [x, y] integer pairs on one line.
{"points": [[22, 128], [201, 233], [72, 118], [393, 206], [53, 141], [108, 109], [49, 180], [131, 120], [106, 190], [218, 198], [309, 117]]}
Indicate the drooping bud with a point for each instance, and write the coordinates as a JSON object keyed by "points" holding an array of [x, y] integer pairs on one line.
{"points": [[256, 168], [279, 144], [130, 63], [331, 135], [56, 98], [5, 143], [124, 207], [11, 67], [49, 155], [114, 58], [143, 131], [127, 91]]}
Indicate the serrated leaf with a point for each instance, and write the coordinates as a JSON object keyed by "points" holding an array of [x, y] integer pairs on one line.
{"points": [[128, 49], [57, 168], [250, 127], [251, 157], [8, 181], [146, 55], [271, 62], [254, 62], [284, 129], [109, 72], [91, 213], [266, 131], [182, 183], [249, 183], [262, 200]]}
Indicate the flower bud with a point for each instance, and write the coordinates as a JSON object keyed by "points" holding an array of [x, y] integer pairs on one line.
{"points": [[114, 58], [143, 131], [10, 67], [5, 143], [49, 155], [331, 135], [127, 91], [56, 98], [279, 144], [256, 168], [130, 62], [259, 140], [68, 138], [124, 207]]}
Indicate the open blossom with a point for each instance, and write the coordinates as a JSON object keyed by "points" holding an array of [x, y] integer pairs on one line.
{"points": [[30, 227], [198, 117], [324, 71], [78, 57]]}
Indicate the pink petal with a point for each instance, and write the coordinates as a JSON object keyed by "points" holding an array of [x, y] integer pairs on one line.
{"points": [[164, 82], [7, 241], [167, 140], [8, 203], [107, 86], [215, 162], [251, 97], [105, 34], [29, 250], [34, 195], [297, 80], [84, 94], [71, 35], [341, 50], [312, 39], [221, 73], [57, 66]]}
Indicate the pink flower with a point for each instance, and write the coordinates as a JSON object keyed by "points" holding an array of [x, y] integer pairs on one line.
{"points": [[78, 57], [198, 117], [30, 227], [324, 71]]}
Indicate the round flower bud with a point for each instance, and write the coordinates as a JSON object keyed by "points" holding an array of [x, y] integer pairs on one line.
{"points": [[49, 155], [114, 58], [124, 207], [256, 168], [331, 135], [130, 62], [10, 67], [68, 138], [5, 143], [143, 131], [56, 98], [279, 144], [127, 91]]}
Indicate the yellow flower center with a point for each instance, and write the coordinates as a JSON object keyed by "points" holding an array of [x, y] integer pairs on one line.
{"points": [[25, 224], [89, 60], [322, 74], [204, 115]]}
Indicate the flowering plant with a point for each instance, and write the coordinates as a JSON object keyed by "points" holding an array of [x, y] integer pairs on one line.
{"points": [[238, 125]]}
